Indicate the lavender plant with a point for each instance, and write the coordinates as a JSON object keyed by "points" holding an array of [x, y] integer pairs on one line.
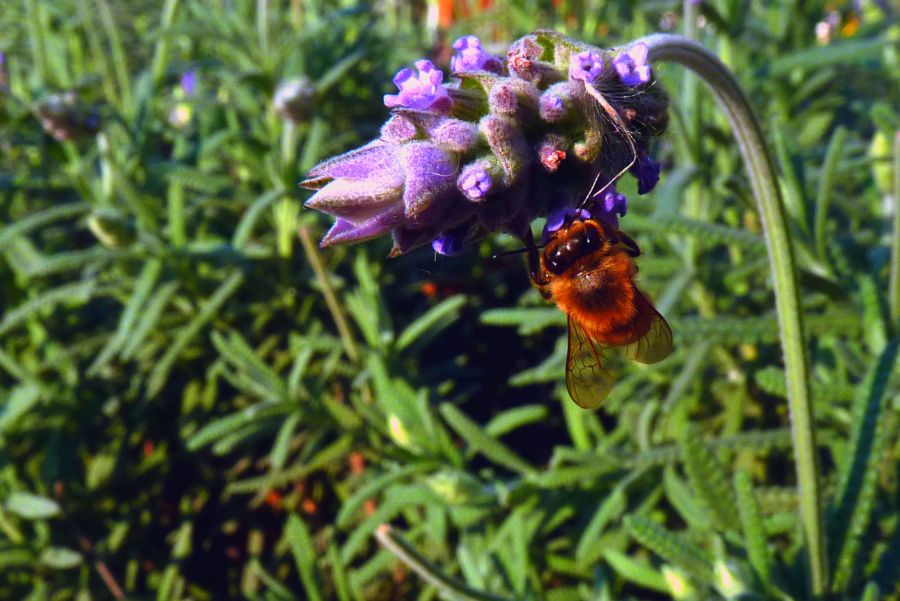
{"points": [[500, 144], [196, 402]]}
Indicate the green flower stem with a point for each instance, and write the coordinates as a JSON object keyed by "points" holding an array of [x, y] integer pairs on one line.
{"points": [[334, 307], [405, 552], [761, 168]]}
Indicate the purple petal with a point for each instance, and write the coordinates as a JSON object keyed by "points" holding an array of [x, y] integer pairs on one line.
{"points": [[344, 231], [472, 57], [375, 159], [639, 53], [447, 245], [455, 134], [423, 91], [586, 66], [189, 82], [356, 199], [402, 76], [430, 178], [646, 170]]}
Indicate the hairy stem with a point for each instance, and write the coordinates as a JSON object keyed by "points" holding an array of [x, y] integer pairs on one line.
{"points": [[761, 169]]}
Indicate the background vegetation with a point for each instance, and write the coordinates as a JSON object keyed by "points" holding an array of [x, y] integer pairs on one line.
{"points": [[196, 403]]}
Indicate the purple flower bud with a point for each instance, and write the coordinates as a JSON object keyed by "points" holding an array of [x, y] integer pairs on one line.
{"points": [[646, 170], [507, 142], [560, 101], [524, 61], [357, 199], [398, 129], [447, 245], [586, 66], [475, 182], [514, 98], [189, 83], [455, 134], [294, 99], [631, 65], [376, 159], [430, 179], [344, 230], [472, 57], [423, 92], [552, 152]]}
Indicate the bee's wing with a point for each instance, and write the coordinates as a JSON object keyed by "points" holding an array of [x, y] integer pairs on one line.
{"points": [[587, 378], [656, 344]]}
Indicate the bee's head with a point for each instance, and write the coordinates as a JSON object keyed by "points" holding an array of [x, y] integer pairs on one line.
{"points": [[575, 239]]}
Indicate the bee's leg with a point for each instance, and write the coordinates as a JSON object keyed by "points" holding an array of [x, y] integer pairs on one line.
{"points": [[534, 262]]}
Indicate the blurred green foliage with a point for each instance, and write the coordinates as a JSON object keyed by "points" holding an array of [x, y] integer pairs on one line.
{"points": [[196, 403]]}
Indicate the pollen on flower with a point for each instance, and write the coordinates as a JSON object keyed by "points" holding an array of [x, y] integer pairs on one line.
{"points": [[631, 65], [424, 91]]}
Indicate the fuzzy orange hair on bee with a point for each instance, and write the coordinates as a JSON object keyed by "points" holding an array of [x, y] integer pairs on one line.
{"points": [[587, 268]]}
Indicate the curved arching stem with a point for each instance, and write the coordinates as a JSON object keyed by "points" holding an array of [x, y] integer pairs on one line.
{"points": [[761, 168]]}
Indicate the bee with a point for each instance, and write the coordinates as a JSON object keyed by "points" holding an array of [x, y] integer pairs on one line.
{"points": [[587, 268]]}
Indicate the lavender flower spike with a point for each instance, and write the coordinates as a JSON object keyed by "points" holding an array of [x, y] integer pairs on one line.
{"points": [[632, 66], [586, 66], [424, 91], [472, 57]]}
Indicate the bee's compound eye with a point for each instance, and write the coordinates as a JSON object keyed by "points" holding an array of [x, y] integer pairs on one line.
{"points": [[591, 238]]}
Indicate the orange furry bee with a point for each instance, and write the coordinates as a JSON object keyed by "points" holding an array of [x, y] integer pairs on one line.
{"points": [[587, 268]]}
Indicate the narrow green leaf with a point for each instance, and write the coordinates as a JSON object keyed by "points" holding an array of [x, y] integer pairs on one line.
{"points": [[304, 556], [752, 525], [481, 442], [709, 480], [434, 321], [858, 482], [32, 507], [637, 572], [208, 310]]}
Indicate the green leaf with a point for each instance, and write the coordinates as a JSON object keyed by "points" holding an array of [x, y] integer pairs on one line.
{"points": [[858, 482], [491, 448], [850, 51], [19, 402], [709, 480], [60, 558], [752, 525], [304, 556], [670, 547], [207, 311], [432, 323], [635, 571], [32, 507]]}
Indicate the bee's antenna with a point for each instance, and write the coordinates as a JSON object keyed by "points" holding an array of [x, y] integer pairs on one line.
{"points": [[619, 124], [516, 251]]}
